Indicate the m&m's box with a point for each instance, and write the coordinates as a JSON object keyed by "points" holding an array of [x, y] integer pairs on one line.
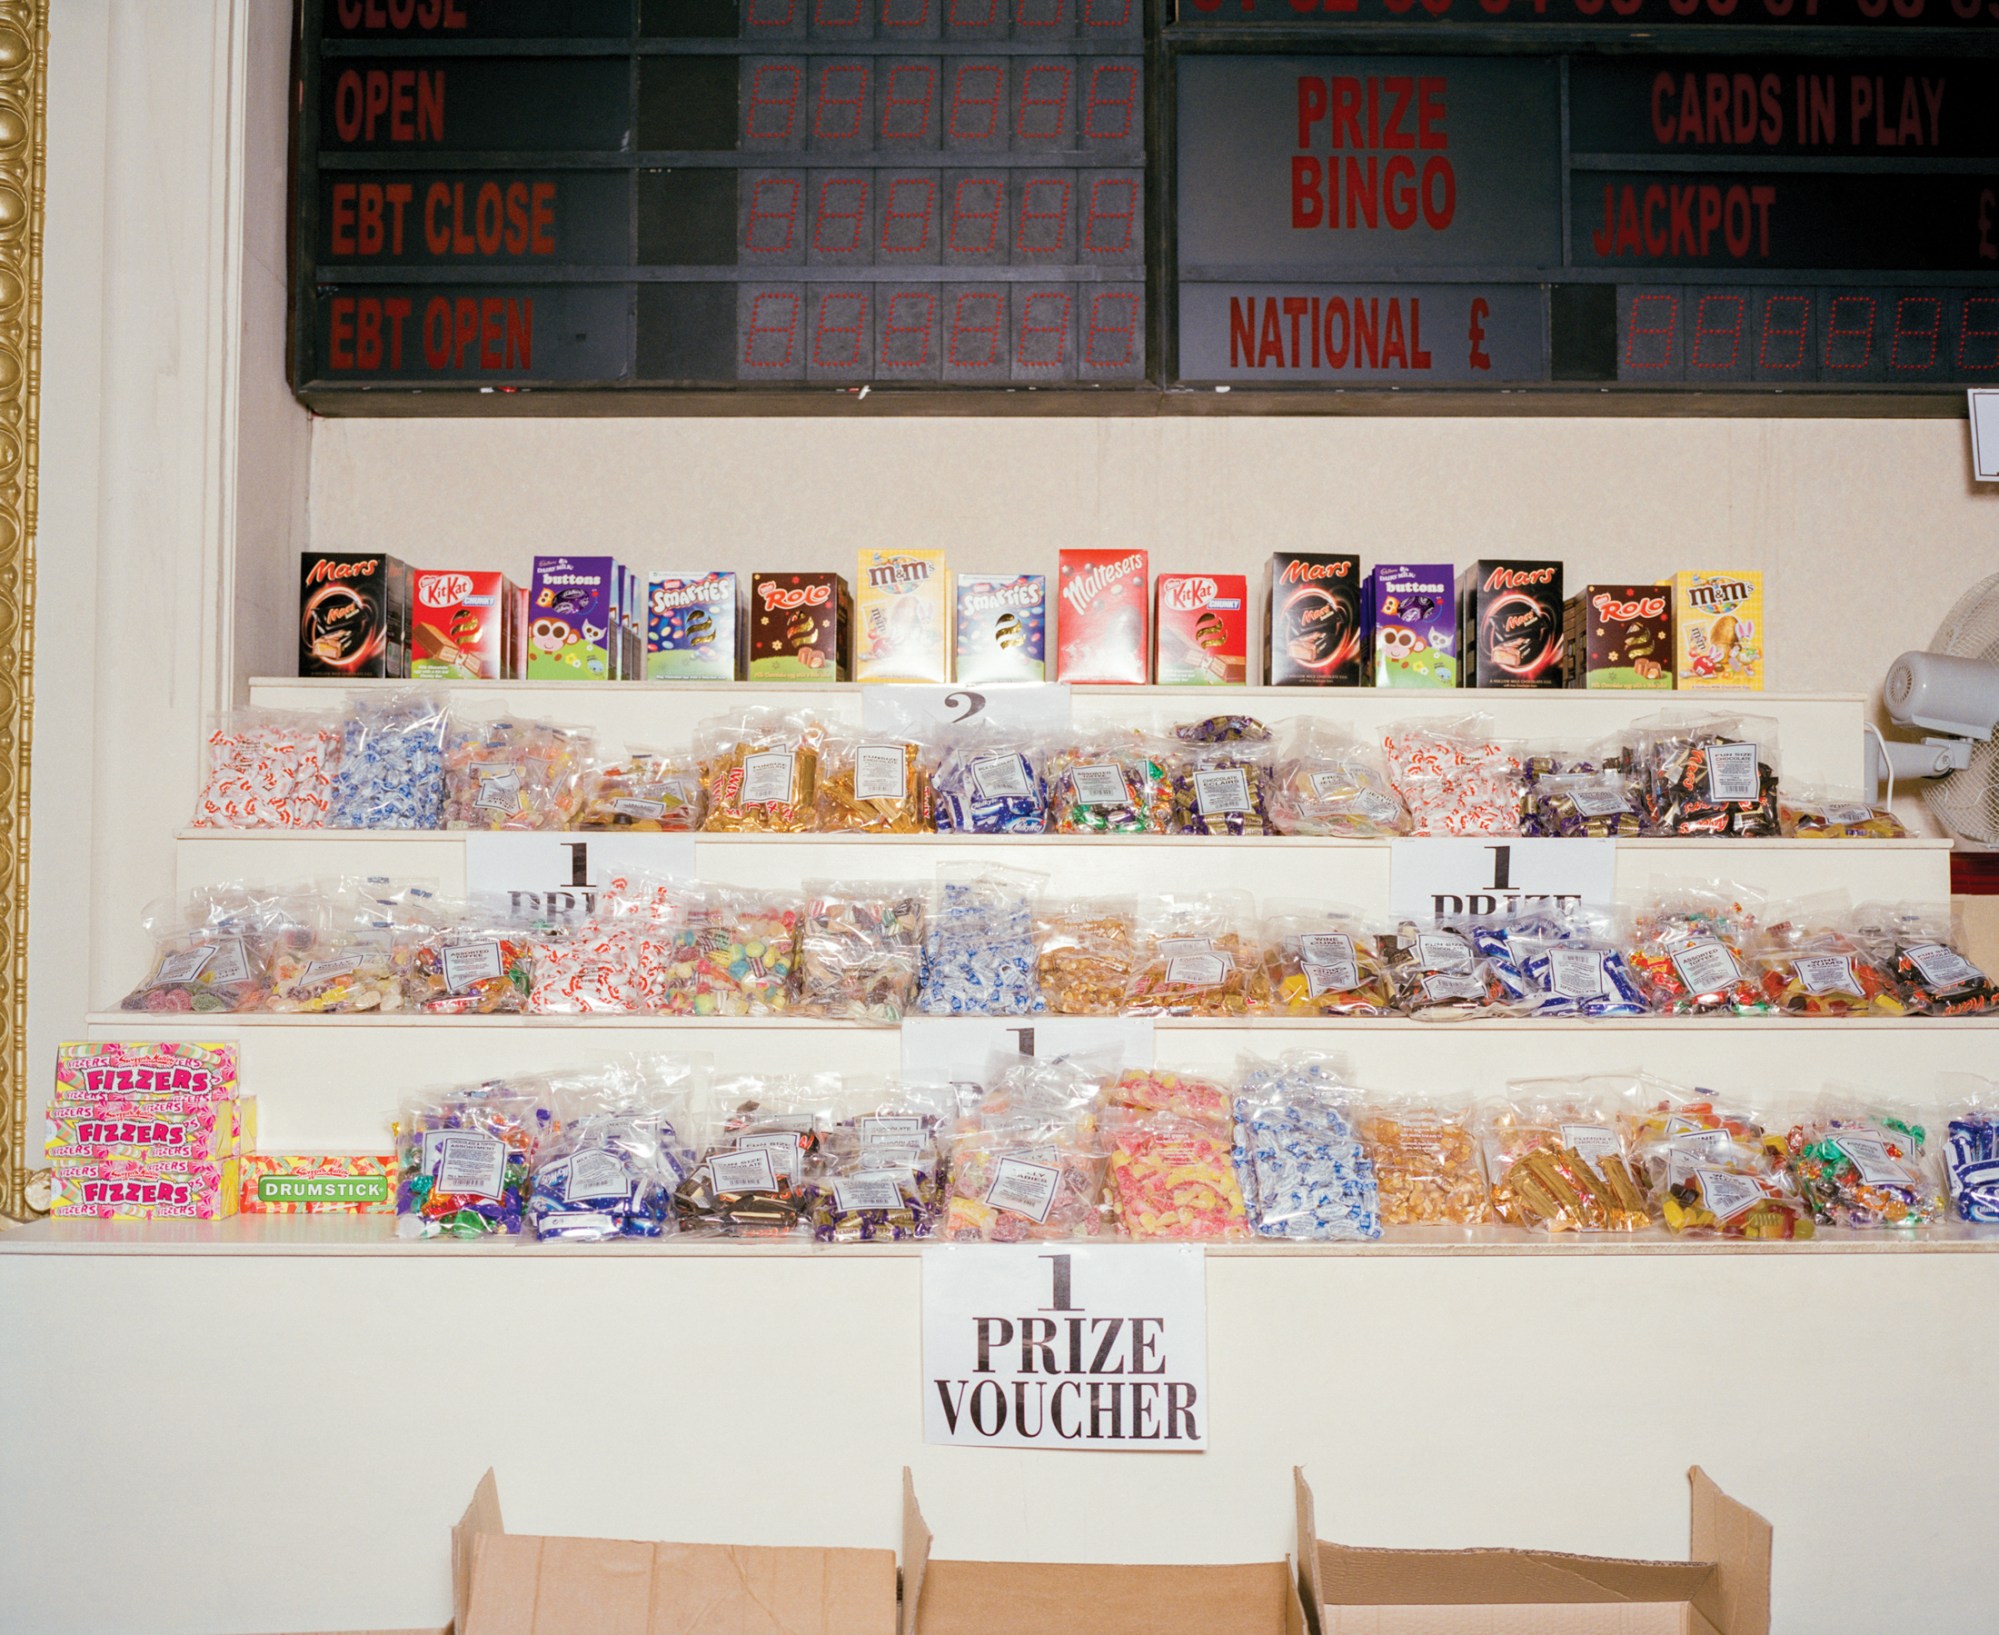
{"points": [[693, 627], [1719, 618], [1202, 629], [1002, 627], [902, 617], [464, 625], [798, 626], [1102, 626]]}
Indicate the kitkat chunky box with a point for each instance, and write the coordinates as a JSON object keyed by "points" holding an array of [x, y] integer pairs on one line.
{"points": [[463, 625], [574, 619], [692, 627], [902, 617], [1312, 633], [1202, 629], [798, 626], [1510, 624], [1002, 628], [353, 615], [1101, 629]]}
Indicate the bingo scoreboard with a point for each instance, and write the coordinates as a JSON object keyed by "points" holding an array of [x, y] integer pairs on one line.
{"points": [[1146, 199]]}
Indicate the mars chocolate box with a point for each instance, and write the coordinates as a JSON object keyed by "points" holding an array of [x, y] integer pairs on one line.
{"points": [[902, 617], [798, 626], [1202, 629], [353, 615], [1510, 624], [1311, 621], [1002, 627], [1618, 636], [1411, 614], [1101, 630], [574, 619], [463, 624], [693, 627]]}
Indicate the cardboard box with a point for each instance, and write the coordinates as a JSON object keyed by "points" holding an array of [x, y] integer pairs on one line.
{"points": [[147, 1128], [282, 1183], [1619, 636], [693, 628], [526, 1584], [1101, 629], [1059, 1598], [118, 1069], [902, 617], [353, 615], [1510, 624], [575, 619], [798, 627], [463, 624], [118, 1189], [1201, 631], [1723, 1589], [1312, 627], [1411, 614], [1720, 621], [1002, 628]]}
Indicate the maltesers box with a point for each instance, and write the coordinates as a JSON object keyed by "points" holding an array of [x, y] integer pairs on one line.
{"points": [[798, 627], [575, 619], [1101, 625], [526, 1584], [283, 1183], [1619, 636], [902, 617], [1201, 631], [1723, 1590], [1510, 624], [1002, 628], [120, 1189], [1312, 631], [353, 615], [1411, 613], [693, 627], [1720, 625], [1064, 1598], [463, 624]]}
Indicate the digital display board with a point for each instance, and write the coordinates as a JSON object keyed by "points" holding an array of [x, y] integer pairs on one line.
{"points": [[619, 194]]}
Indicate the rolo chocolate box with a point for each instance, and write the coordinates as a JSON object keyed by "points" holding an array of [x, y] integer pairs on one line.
{"points": [[1311, 621], [1102, 630], [798, 626], [1510, 624], [1619, 636], [353, 615]]}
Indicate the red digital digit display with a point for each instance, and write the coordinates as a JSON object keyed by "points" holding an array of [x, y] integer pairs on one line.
{"points": [[1978, 335], [1110, 109], [770, 339], [836, 337], [1043, 111], [1918, 330], [771, 227], [911, 316], [772, 16], [909, 91], [976, 204], [839, 112], [840, 226], [1110, 336], [1849, 333], [977, 317], [1043, 227], [1787, 331], [772, 114], [1041, 340], [975, 102], [1654, 331], [908, 207], [1718, 332], [1110, 228]]}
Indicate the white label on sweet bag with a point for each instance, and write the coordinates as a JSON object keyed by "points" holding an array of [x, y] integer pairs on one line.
{"points": [[1598, 802], [499, 789], [1575, 973], [1024, 1188], [1732, 772], [1196, 970], [782, 1147], [1330, 786], [636, 806], [1591, 1141], [1453, 987], [744, 1171], [1693, 1139], [888, 1129], [1099, 783], [325, 970], [1336, 976], [874, 1189], [1441, 951], [1706, 967], [1727, 1195], [1941, 966], [1326, 948], [471, 1165], [469, 962], [1845, 814], [1827, 973], [1216, 793], [232, 962], [1002, 777], [183, 967], [767, 778], [881, 772], [594, 1173], [1869, 1155]]}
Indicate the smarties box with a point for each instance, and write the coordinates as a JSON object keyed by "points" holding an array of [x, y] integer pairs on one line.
{"points": [[1619, 636], [1720, 620], [353, 615], [1101, 634], [1202, 629], [464, 624], [1510, 624], [1412, 625], [902, 617], [1002, 628], [693, 628], [575, 620], [1312, 621], [798, 626]]}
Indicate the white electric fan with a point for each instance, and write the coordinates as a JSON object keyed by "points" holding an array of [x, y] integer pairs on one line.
{"points": [[1951, 692]]}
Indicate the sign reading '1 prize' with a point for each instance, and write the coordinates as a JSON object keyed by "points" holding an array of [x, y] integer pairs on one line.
{"points": [[1290, 167], [1065, 1346]]}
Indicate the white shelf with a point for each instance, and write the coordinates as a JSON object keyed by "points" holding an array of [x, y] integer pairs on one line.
{"points": [[373, 1236]]}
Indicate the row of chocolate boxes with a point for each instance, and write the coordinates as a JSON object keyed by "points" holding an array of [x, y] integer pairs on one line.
{"points": [[1324, 623]]}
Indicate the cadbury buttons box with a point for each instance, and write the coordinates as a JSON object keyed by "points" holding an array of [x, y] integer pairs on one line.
{"points": [[1720, 620], [1619, 636], [902, 617], [1311, 621], [1411, 614], [573, 618], [692, 627], [1002, 628], [1510, 624], [1101, 632], [798, 626], [1202, 629], [353, 615]]}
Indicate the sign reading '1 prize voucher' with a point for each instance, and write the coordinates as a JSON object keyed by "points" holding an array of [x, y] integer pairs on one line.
{"points": [[1065, 1346]]}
